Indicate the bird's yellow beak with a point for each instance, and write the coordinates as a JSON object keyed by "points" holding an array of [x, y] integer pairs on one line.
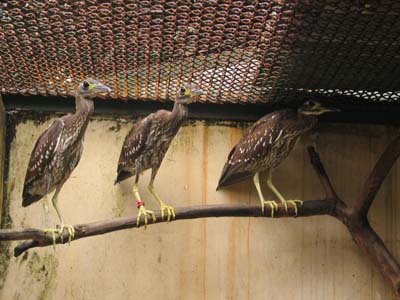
{"points": [[197, 92], [325, 109], [101, 88]]}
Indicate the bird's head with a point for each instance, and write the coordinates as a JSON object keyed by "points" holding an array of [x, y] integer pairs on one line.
{"points": [[90, 88], [315, 108], [187, 92]]}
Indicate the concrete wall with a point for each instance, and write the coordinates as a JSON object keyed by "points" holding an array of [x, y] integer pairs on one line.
{"points": [[226, 258]]}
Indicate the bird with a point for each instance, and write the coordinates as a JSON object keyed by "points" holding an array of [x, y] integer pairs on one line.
{"points": [[145, 146], [57, 152], [266, 144]]}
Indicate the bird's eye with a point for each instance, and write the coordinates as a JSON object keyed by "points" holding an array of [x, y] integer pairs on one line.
{"points": [[183, 90], [85, 85]]}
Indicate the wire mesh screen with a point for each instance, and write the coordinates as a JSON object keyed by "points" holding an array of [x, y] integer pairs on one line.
{"points": [[238, 51]]}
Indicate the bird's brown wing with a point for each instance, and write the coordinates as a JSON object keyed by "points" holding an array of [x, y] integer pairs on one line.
{"points": [[255, 144], [138, 140], [270, 121], [228, 177], [41, 155], [134, 144]]}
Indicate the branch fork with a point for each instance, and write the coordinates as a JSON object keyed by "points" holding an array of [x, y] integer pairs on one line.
{"points": [[353, 217]]}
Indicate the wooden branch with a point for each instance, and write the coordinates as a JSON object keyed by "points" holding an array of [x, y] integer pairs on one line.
{"points": [[323, 176], [376, 178], [37, 238], [369, 241], [355, 218]]}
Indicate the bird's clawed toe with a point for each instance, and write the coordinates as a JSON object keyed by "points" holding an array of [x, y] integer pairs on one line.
{"points": [[145, 213], [294, 203], [170, 212], [272, 204], [59, 231], [71, 232], [53, 232]]}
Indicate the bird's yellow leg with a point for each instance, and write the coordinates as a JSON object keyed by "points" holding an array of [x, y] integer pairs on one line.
{"points": [[70, 228], [170, 210], [272, 204], [280, 197], [142, 210], [46, 222], [46, 211]]}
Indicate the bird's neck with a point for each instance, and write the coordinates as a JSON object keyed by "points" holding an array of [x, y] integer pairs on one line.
{"points": [[180, 111], [310, 121], [84, 109], [83, 105]]}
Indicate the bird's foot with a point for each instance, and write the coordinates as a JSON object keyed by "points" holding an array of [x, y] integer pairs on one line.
{"points": [[294, 203], [170, 211], [145, 213], [71, 232], [272, 204], [53, 232]]}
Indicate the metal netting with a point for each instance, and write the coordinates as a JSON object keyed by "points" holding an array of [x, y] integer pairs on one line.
{"points": [[238, 51]]}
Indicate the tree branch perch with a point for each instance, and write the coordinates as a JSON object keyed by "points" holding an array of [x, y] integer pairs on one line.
{"points": [[323, 176], [376, 178], [37, 238], [355, 217]]}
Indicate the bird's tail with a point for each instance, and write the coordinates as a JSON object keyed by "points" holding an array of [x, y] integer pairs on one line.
{"points": [[229, 176], [122, 175], [28, 199], [234, 179]]}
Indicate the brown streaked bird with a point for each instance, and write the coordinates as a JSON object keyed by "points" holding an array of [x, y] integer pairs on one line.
{"points": [[146, 144], [57, 152], [266, 144]]}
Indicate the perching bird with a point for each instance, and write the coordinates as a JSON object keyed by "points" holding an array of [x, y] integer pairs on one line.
{"points": [[146, 144], [266, 144], [57, 152]]}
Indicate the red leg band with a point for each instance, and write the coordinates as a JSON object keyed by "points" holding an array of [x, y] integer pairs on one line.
{"points": [[139, 204]]}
